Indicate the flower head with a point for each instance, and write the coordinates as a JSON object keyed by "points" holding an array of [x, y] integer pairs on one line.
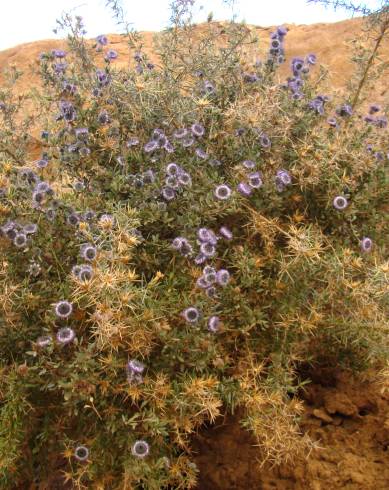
{"points": [[197, 129], [111, 55], [140, 449], [102, 40], [20, 240], [65, 335], [207, 249], [244, 189], [191, 314], [81, 453], [44, 340], [340, 203], [214, 324], [223, 277], [88, 252], [249, 164], [222, 192], [226, 233], [63, 309], [366, 244]]}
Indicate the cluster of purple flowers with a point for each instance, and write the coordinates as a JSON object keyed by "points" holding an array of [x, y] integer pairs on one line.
{"points": [[276, 50], [82, 272], [64, 336], [67, 111], [211, 278], [18, 233], [183, 246], [283, 179], [299, 67], [379, 121], [135, 369], [158, 141], [140, 179], [345, 110], [192, 315], [176, 179], [253, 179], [317, 104], [103, 78]]}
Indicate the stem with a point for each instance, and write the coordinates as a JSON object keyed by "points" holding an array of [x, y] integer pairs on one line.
{"points": [[370, 62]]}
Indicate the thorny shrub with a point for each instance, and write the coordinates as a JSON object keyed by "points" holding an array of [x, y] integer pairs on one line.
{"points": [[195, 229]]}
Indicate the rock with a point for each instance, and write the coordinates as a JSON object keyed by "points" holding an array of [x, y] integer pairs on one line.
{"points": [[339, 403], [321, 414]]}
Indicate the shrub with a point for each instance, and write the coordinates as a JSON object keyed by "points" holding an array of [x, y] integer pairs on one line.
{"points": [[193, 231]]}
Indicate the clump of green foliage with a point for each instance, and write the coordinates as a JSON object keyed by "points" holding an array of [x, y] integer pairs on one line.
{"points": [[194, 230]]}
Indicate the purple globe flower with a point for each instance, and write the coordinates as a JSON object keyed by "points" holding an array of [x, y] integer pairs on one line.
{"points": [[172, 181], [197, 129], [168, 147], [222, 192], [333, 122], [283, 176], [30, 228], [151, 146], [311, 59], [223, 277], [202, 283], [88, 252], [207, 236], [173, 169], [374, 108], [225, 233], [214, 324], [81, 133], [135, 366], [244, 189], [208, 269], [111, 55], [103, 117], [207, 249], [340, 203], [211, 292], [255, 180], [345, 110], [20, 240], [187, 142], [85, 273], [381, 122], [201, 153], [200, 259], [44, 340], [58, 53], [42, 163], [180, 133], [63, 309], [191, 314], [366, 244], [185, 179], [168, 193], [249, 164], [65, 335], [264, 141], [102, 40], [81, 453], [140, 449]]}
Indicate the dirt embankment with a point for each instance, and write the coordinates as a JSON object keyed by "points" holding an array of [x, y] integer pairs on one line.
{"points": [[349, 419]]}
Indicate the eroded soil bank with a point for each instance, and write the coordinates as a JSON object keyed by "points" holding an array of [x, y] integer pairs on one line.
{"points": [[348, 417]]}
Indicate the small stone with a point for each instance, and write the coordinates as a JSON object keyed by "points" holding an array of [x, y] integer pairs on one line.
{"points": [[322, 415]]}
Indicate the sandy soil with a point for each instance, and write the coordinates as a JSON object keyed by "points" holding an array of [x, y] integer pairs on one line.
{"points": [[348, 417]]}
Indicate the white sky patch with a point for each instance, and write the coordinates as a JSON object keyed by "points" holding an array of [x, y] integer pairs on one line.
{"points": [[24, 21]]}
